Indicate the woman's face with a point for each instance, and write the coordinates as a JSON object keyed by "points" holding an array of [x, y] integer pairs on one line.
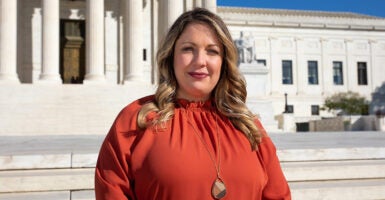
{"points": [[198, 56]]}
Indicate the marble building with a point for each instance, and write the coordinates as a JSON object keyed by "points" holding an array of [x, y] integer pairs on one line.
{"points": [[304, 54]]}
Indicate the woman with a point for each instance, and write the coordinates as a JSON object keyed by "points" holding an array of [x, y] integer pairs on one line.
{"points": [[195, 138]]}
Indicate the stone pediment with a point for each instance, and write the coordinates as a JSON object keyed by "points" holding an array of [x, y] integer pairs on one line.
{"points": [[300, 18]]}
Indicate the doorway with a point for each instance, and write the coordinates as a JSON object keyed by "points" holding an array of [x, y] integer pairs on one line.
{"points": [[72, 51]]}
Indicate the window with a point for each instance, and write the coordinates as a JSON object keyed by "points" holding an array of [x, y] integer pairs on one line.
{"points": [[290, 109], [287, 72], [337, 73], [314, 109], [144, 54], [261, 61], [362, 73], [312, 68]]}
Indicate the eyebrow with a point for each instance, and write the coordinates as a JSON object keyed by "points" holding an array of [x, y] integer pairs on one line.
{"points": [[210, 45]]}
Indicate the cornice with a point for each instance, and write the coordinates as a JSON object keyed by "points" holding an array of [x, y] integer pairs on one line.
{"points": [[299, 18]]}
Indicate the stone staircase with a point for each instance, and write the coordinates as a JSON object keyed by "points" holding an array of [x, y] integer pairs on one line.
{"points": [[348, 165]]}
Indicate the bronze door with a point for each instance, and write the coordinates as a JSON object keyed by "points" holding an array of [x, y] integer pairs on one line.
{"points": [[72, 51]]}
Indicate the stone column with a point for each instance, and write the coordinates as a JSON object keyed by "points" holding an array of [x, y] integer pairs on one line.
{"points": [[300, 67], [8, 41], [50, 50], [372, 66], [133, 45], [169, 11], [210, 5], [94, 41], [198, 3], [189, 5], [275, 78], [348, 71], [325, 69]]}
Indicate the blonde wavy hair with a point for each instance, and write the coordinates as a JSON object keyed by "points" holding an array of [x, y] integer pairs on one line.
{"points": [[230, 92]]}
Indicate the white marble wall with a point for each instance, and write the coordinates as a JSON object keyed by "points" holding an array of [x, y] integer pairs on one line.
{"points": [[275, 44]]}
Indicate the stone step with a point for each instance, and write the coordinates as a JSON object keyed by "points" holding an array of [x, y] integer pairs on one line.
{"points": [[76, 151], [333, 170], [56, 195], [48, 161], [49, 152], [346, 189], [65, 109], [83, 178], [46, 180], [321, 146]]}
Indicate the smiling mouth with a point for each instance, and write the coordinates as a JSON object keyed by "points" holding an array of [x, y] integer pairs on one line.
{"points": [[198, 75]]}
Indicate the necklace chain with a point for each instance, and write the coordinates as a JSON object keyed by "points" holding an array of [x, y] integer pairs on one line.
{"points": [[217, 166]]}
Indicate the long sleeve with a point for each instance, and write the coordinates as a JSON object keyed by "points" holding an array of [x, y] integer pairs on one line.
{"points": [[277, 187], [113, 174], [112, 177]]}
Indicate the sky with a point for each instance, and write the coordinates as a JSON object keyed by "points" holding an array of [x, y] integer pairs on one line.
{"points": [[367, 7]]}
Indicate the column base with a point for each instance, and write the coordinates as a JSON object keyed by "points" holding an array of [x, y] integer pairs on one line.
{"points": [[94, 79], [132, 78], [9, 78], [50, 78]]}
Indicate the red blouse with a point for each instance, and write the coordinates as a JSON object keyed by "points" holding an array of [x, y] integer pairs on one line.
{"points": [[172, 162]]}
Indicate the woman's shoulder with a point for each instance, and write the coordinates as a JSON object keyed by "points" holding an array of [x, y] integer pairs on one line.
{"points": [[138, 104], [128, 115]]}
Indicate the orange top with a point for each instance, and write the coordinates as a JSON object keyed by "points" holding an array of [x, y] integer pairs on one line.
{"points": [[173, 163]]}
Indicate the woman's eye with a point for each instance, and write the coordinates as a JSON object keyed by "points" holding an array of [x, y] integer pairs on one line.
{"points": [[187, 49], [213, 52]]}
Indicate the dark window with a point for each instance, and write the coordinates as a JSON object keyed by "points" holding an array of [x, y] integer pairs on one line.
{"points": [[362, 73], [144, 55], [314, 109], [338, 77], [290, 109], [312, 68], [261, 61], [287, 72]]}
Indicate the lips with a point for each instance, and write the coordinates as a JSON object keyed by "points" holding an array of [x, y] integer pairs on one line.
{"points": [[198, 75]]}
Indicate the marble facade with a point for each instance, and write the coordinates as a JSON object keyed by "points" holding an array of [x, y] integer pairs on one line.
{"points": [[120, 47]]}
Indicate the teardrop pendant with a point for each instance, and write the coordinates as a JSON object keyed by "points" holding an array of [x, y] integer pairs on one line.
{"points": [[218, 189]]}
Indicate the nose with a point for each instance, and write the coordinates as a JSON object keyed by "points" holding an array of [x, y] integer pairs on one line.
{"points": [[200, 58]]}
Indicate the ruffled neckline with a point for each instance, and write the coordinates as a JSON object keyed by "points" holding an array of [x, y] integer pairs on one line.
{"points": [[186, 104]]}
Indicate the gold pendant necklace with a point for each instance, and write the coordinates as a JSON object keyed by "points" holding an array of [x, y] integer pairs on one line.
{"points": [[218, 189]]}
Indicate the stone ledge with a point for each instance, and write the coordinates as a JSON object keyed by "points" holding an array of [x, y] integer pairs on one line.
{"points": [[333, 170], [38, 161], [326, 154], [61, 195], [47, 180], [48, 161], [77, 151], [347, 189], [83, 195]]}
